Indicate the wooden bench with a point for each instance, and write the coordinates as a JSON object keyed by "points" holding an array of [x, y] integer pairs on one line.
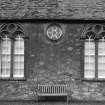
{"points": [[52, 90]]}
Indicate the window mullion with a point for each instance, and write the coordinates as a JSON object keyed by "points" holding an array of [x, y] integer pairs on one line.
{"points": [[12, 56], [96, 60]]}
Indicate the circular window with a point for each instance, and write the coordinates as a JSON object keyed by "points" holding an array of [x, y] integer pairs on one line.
{"points": [[97, 28], [54, 32], [11, 28]]}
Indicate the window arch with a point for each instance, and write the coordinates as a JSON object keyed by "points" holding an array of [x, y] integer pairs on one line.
{"points": [[94, 52], [12, 51]]}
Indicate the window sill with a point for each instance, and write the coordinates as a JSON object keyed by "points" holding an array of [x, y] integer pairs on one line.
{"points": [[12, 79], [93, 80]]}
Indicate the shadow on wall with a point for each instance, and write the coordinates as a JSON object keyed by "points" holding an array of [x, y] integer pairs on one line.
{"points": [[53, 99]]}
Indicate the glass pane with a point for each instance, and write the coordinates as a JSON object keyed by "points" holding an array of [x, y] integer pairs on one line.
{"points": [[89, 48], [18, 73], [89, 71], [101, 43], [89, 44], [19, 46], [5, 57], [6, 46], [101, 52], [101, 48], [89, 74], [19, 58], [5, 73], [101, 59], [18, 67], [101, 74], [101, 66], [89, 60], [5, 65], [90, 66], [89, 51]]}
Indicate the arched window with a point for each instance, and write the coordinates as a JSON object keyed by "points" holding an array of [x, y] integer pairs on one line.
{"points": [[18, 61], [94, 52], [101, 56], [89, 60], [5, 58], [12, 52]]}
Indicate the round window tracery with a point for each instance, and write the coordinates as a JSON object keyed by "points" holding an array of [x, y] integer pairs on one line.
{"points": [[54, 32], [97, 28], [11, 28]]}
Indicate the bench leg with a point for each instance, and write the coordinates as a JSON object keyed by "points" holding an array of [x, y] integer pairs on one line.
{"points": [[67, 100]]}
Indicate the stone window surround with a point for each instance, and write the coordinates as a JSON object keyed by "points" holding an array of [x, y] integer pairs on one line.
{"points": [[96, 40], [12, 36]]}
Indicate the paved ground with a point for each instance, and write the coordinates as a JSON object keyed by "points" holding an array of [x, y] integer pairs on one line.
{"points": [[51, 103]]}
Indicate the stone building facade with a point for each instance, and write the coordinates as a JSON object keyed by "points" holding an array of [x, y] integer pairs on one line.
{"points": [[53, 61]]}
